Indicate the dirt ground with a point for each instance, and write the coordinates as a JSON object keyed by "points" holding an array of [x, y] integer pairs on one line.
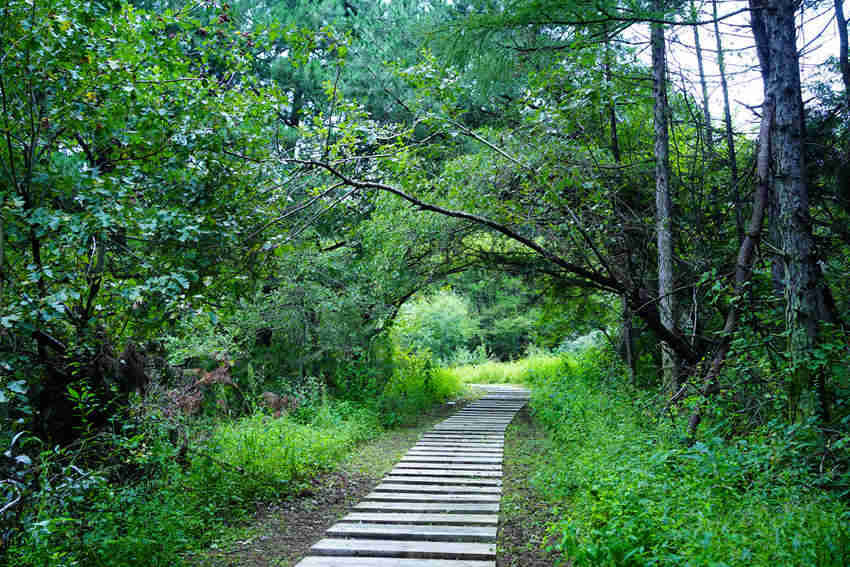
{"points": [[523, 519]]}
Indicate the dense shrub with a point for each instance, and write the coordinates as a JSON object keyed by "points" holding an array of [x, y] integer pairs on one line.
{"points": [[145, 496], [416, 384]]}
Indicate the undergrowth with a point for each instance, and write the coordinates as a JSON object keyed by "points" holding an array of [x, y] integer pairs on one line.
{"points": [[147, 492], [629, 492], [536, 366]]}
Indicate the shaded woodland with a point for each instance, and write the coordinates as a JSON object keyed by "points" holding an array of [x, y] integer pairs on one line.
{"points": [[216, 210]]}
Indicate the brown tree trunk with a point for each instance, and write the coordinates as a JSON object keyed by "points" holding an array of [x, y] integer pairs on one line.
{"points": [[744, 264], [626, 326], [706, 111], [805, 292], [663, 201]]}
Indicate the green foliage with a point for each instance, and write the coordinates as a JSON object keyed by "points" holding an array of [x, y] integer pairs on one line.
{"points": [[529, 369], [632, 494], [177, 502], [81, 516], [121, 200], [272, 457], [416, 385], [439, 325]]}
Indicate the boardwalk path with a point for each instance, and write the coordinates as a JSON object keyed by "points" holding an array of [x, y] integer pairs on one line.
{"points": [[439, 507]]}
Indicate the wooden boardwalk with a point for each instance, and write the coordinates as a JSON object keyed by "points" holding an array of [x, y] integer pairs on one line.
{"points": [[439, 507]]}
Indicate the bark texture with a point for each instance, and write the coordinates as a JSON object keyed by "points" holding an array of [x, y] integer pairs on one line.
{"points": [[663, 203], [806, 296], [706, 110]]}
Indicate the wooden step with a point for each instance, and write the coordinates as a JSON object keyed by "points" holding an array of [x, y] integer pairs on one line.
{"points": [[443, 480], [439, 506], [381, 496], [319, 561], [413, 532], [457, 467], [409, 549], [437, 488], [423, 518], [443, 452], [447, 507], [451, 459]]}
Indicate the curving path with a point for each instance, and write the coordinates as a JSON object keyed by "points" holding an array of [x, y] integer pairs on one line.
{"points": [[439, 507]]}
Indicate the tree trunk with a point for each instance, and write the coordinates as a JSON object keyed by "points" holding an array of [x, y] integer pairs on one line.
{"points": [[805, 292], [663, 202], [626, 327], [709, 142], [730, 136], [844, 64], [743, 266]]}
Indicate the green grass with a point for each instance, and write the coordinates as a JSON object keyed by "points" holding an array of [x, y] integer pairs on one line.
{"points": [[630, 493], [273, 457], [522, 371]]}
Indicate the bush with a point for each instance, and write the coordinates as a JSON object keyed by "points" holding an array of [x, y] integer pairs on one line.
{"points": [[81, 516], [436, 326], [416, 385], [165, 502], [260, 457]]}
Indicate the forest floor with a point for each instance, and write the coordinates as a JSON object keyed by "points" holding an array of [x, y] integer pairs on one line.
{"points": [[282, 532]]}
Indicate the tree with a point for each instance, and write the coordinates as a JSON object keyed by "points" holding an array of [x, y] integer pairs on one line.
{"points": [[663, 200], [806, 296], [121, 199]]}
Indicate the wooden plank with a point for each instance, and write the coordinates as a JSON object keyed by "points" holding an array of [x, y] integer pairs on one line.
{"points": [[488, 447], [496, 444], [413, 532], [437, 452], [457, 467], [448, 456], [443, 480], [451, 440], [436, 488], [412, 549], [449, 507], [458, 447], [468, 438], [422, 518], [467, 429], [472, 498], [418, 471], [452, 459], [319, 561]]}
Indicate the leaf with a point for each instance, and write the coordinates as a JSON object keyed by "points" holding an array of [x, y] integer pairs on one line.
{"points": [[17, 386]]}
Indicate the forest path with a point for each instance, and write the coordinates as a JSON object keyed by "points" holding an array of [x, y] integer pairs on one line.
{"points": [[439, 506]]}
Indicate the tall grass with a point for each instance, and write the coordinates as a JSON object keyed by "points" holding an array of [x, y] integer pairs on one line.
{"points": [[179, 500], [632, 494], [523, 371]]}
